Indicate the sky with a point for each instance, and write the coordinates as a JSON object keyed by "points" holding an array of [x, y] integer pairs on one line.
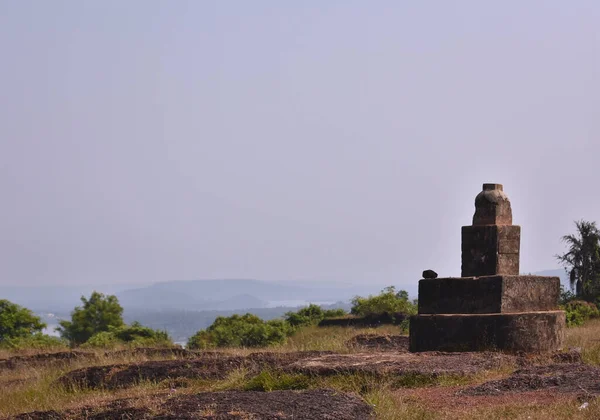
{"points": [[146, 141]]}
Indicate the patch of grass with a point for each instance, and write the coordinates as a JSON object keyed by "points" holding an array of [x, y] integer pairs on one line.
{"points": [[533, 411], [329, 338], [277, 381], [388, 407], [417, 380], [236, 379], [586, 337]]}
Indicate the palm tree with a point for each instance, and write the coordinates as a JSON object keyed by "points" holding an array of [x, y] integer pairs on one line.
{"points": [[582, 260]]}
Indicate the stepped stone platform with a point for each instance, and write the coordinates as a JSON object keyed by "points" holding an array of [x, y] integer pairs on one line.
{"points": [[488, 294], [491, 307]]}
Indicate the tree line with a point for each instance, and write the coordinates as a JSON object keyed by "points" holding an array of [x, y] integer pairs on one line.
{"points": [[98, 322]]}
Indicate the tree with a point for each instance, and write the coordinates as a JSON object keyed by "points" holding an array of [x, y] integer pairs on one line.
{"points": [[99, 313], [17, 322], [582, 260]]}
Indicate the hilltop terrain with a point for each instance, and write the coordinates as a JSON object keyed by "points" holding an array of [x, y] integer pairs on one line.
{"points": [[331, 372]]}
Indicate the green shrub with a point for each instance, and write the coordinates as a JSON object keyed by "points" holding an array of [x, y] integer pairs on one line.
{"points": [[566, 296], [579, 311], [311, 315], [240, 331], [387, 302], [135, 335], [103, 340]]}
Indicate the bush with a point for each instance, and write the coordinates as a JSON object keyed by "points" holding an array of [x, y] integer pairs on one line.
{"points": [[387, 302], [36, 341], [240, 331], [566, 296], [135, 335], [579, 311], [311, 315]]}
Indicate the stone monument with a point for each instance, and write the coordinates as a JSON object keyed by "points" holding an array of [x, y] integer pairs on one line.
{"points": [[491, 307]]}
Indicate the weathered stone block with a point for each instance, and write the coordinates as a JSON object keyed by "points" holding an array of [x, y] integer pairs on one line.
{"points": [[490, 249], [526, 331], [490, 294], [492, 206]]}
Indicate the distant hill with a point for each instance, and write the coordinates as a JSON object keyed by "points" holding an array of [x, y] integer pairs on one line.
{"points": [[194, 295], [53, 298], [182, 324], [229, 294]]}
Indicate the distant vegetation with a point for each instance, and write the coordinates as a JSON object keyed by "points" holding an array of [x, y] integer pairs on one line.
{"points": [[98, 314], [387, 302], [311, 315], [20, 328], [251, 331], [99, 323], [582, 263], [132, 335], [240, 331], [16, 322], [579, 311]]}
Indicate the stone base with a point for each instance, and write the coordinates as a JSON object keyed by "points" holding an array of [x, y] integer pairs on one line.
{"points": [[525, 331], [489, 294]]}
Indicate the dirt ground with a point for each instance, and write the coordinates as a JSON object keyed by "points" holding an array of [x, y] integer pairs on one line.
{"points": [[533, 385], [535, 379], [238, 405], [215, 365]]}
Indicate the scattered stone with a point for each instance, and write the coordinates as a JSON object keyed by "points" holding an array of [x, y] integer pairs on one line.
{"points": [[430, 274]]}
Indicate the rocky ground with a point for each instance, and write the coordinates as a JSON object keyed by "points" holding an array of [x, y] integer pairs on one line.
{"points": [[303, 384], [276, 405]]}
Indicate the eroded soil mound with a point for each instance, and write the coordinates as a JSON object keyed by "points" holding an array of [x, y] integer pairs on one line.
{"points": [[45, 359], [168, 352], [430, 363], [123, 375], [308, 405], [297, 405], [379, 342], [208, 365], [572, 378]]}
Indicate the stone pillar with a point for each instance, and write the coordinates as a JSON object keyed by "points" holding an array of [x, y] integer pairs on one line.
{"points": [[491, 307], [491, 245]]}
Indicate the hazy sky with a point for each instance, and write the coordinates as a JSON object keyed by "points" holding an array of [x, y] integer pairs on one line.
{"points": [[144, 141]]}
